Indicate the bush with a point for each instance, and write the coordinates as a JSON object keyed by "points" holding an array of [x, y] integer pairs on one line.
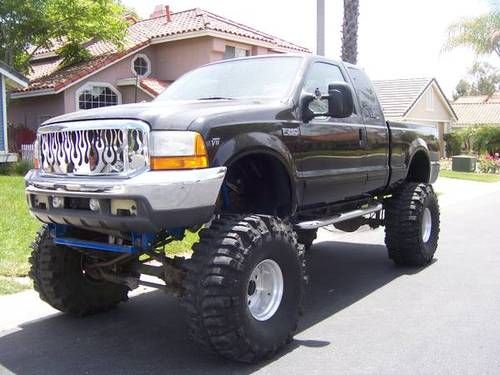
{"points": [[454, 142], [19, 168], [487, 138], [489, 164]]}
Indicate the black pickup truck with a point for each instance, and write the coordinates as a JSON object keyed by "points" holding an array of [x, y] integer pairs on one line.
{"points": [[255, 154]]}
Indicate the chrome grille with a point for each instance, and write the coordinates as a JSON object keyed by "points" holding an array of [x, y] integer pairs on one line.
{"points": [[106, 147]]}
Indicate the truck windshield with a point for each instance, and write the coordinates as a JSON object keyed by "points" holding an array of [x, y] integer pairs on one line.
{"points": [[269, 77]]}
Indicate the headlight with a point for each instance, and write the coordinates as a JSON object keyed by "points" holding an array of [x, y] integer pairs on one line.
{"points": [[177, 150]]}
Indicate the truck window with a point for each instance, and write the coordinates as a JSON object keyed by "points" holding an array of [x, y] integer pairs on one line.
{"points": [[370, 107], [320, 75]]}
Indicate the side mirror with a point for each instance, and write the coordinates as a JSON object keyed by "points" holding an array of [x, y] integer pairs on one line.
{"points": [[339, 103], [340, 100]]}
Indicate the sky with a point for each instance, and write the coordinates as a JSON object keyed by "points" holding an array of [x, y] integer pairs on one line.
{"points": [[397, 38]]}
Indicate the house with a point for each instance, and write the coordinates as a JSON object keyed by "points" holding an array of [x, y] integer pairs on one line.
{"points": [[418, 100], [156, 52], [9, 79], [477, 110]]}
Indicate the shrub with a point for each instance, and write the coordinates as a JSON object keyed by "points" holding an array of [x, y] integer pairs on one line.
{"points": [[454, 142], [487, 138], [19, 168], [489, 164]]}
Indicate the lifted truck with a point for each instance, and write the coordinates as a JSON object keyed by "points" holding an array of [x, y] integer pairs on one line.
{"points": [[259, 152]]}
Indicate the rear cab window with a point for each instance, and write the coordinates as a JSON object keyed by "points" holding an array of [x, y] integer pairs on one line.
{"points": [[370, 107]]}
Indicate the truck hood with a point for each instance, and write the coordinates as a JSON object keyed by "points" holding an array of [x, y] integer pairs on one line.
{"points": [[185, 115]]}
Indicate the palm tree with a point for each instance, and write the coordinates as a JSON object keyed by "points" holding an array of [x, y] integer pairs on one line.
{"points": [[482, 33], [350, 31]]}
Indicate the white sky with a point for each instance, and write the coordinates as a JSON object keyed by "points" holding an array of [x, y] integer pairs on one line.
{"points": [[397, 38]]}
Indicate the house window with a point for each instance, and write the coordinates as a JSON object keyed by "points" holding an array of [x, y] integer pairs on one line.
{"points": [[141, 65], [97, 95], [429, 100], [231, 52]]}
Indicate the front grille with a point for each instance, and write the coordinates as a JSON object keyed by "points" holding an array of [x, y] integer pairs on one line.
{"points": [[90, 148]]}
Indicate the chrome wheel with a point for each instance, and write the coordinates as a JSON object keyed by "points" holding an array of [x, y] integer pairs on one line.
{"points": [[265, 290], [426, 225]]}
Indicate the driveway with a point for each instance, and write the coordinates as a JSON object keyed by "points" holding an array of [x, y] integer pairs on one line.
{"points": [[362, 314]]}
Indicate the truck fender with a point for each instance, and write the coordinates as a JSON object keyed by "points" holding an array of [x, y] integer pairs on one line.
{"points": [[254, 143], [418, 146]]}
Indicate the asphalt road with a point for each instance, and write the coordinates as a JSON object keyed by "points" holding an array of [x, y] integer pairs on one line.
{"points": [[363, 315]]}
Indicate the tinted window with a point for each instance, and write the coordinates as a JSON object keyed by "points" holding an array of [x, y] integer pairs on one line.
{"points": [[320, 75], [370, 107], [270, 77]]}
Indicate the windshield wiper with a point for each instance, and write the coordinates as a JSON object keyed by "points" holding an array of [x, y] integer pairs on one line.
{"points": [[215, 98]]}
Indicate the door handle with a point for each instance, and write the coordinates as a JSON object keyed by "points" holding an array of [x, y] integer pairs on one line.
{"points": [[362, 142]]}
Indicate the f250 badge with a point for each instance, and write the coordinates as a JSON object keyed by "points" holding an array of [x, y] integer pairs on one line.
{"points": [[290, 132]]}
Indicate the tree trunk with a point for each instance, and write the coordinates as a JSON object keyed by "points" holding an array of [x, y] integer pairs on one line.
{"points": [[350, 31]]}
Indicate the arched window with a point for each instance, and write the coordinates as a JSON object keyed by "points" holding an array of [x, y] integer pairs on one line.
{"points": [[141, 65], [96, 95]]}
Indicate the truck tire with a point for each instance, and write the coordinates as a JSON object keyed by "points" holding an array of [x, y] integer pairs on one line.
{"points": [[244, 287], [412, 224], [58, 278], [306, 237]]}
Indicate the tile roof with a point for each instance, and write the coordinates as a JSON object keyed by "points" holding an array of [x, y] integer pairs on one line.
{"points": [[478, 110], [45, 73], [477, 114], [495, 98], [154, 86], [396, 96]]}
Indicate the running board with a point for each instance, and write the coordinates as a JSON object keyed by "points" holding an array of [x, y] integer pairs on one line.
{"points": [[315, 224]]}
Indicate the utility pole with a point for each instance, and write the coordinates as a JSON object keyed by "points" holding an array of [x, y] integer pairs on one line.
{"points": [[320, 27]]}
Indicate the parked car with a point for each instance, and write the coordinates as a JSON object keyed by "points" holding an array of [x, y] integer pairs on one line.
{"points": [[259, 152]]}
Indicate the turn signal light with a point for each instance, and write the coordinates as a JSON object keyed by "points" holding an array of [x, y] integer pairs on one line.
{"points": [[198, 158]]}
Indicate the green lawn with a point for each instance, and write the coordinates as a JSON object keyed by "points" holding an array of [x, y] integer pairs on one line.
{"points": [[18, 229], [9, 285], [471, 176]]}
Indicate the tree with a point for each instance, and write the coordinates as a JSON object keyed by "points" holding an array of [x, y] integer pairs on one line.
{"points": [[482, 33], [29, 25], [483, 79], [350, 31]]}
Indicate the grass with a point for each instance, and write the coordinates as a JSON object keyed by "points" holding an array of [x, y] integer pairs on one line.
{"points": [[8, 285], [17, 227], [471, 176], [184, 246]]}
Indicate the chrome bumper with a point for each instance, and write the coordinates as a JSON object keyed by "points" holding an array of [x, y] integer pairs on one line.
{"points": [[165, 199]]}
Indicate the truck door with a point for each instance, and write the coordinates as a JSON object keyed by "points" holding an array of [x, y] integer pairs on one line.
{"points": [[331, 149], [376, 159]]}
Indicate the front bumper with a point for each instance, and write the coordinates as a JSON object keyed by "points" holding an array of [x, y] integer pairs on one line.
{"points": [[162, 199]]}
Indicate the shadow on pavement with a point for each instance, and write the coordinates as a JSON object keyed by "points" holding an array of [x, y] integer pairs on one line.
{"points": [[147, 335]]}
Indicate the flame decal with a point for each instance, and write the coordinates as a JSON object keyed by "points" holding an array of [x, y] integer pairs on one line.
{"points": [[93, 151]]}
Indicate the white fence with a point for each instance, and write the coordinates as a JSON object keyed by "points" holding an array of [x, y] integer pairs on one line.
{"points": [[27, 152]]}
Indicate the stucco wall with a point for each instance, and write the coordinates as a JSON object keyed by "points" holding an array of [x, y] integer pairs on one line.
{"points": [[31, 112], [128, 95], [176, 58], [439, 112], [113, 73]]}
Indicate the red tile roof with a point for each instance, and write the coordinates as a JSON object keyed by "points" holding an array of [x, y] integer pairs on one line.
{"points": [[154, 86], [46, 74]]}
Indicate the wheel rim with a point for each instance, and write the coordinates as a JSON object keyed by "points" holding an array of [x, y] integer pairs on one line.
{"points": [[426, 225], [265, 290]]}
